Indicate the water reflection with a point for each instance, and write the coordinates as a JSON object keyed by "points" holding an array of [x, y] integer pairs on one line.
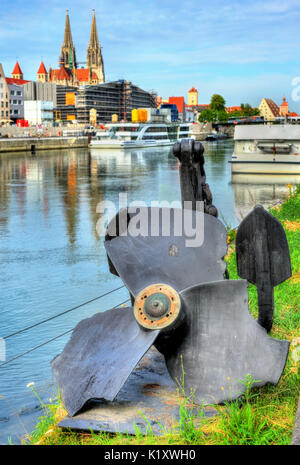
{"points": [[266, 189]]}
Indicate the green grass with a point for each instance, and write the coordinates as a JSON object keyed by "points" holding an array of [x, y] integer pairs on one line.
{"points": [[265, 416]]}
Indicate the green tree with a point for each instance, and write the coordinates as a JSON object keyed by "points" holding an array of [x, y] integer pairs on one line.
{"points": [[247, 110], [222, 116], [213, 115], [217, 103], [207, 115]]}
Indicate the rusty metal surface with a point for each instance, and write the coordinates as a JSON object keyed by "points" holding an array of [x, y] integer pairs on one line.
{"points": [[148, 390], [145, 259], [221, 343], [165, 307], [99, 357]]}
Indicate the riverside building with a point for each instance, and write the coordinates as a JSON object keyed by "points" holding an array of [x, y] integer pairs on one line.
{"points": [[111, 98]]}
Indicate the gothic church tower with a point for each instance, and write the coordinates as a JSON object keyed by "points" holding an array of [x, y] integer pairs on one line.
{"points": [[94, 60], [68, 55]]}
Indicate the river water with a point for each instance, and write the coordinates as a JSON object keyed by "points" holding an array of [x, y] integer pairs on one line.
{"points": [[51, 258]]}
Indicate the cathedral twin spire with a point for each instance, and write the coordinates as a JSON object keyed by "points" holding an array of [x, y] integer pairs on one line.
{"points": [[94, 61]]}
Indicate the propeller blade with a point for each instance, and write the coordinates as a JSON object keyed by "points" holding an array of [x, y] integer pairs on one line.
{"points": [[99, 357], [159, 255], [220, 343], [263, 258]]}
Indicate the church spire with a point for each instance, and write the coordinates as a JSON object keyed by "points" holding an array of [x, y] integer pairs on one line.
{"points": [[94, 60], [94, 35], [68, 56], [68, 36]]}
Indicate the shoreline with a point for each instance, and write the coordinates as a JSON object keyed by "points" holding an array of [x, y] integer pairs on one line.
{"points": [[33, 144]]}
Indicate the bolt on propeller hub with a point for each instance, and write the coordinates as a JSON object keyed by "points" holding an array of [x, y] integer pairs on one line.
{"points": [[157, 306]]}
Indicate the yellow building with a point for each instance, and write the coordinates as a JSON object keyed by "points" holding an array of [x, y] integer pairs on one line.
{"points": [[193, 96], [268, 109], [4, 99]]}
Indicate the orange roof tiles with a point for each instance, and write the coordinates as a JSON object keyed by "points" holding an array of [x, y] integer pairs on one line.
{"points": [[20, 82], [233, 108], [42, 69], [17, 69], [193, 89], [60, 74], [82, 74]]}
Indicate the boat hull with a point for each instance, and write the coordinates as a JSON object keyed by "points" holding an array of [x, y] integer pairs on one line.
{"points": [[264, 167], [130, 145], [264, 149]]}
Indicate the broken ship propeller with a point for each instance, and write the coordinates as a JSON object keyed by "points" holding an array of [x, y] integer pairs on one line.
{"points": [[183, 305]]}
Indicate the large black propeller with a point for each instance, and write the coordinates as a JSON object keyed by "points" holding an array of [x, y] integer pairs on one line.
{"points": [[182, 304]]}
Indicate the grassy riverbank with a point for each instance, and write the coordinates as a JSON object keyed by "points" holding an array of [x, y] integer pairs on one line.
{"points": [[266, 415]]}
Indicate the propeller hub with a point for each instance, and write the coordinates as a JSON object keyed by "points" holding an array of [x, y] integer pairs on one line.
{"points": [[157, 306]]}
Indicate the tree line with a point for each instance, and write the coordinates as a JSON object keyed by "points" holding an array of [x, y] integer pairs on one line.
{"points": [[217, 111]]}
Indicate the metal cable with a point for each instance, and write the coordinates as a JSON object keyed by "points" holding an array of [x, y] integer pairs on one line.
{"points": [[62, 313], [47, 342]]}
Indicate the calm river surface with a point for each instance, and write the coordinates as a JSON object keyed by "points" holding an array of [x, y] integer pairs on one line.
{"points": [[52, 259]]}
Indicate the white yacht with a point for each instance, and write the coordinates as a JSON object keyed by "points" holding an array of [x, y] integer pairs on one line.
{"points": [[268, 149], [140, 135]]}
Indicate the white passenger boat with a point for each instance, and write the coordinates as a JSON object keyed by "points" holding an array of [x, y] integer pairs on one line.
{"points": [[266, 149], [139, 135]]}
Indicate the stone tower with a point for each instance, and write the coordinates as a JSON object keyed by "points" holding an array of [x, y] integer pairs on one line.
{"points": [[17, 72], [67, 54], [193, 96], [94, 60], [284, 108], [42, 75]]}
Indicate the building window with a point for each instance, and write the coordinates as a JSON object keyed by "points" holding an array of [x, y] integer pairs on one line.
{"points": [[19, 92], [12, 92], [16, 112], [19, 102], [15, 102]]}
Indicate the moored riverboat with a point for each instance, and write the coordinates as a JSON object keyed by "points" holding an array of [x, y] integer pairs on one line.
{"points": [[139, 135], [266, 149]]}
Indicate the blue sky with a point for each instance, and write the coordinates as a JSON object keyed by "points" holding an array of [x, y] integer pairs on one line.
{"points": [[242, 49]]}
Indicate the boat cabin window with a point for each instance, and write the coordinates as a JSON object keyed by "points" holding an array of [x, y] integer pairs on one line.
{"points": [[156, 129]]}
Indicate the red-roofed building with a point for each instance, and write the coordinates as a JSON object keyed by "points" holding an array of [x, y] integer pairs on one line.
{"points": [[42, 74], [17, 72], [232, 109], [284, 108], [179, 102], [19, 82], [42, 69], [76, 77]]}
